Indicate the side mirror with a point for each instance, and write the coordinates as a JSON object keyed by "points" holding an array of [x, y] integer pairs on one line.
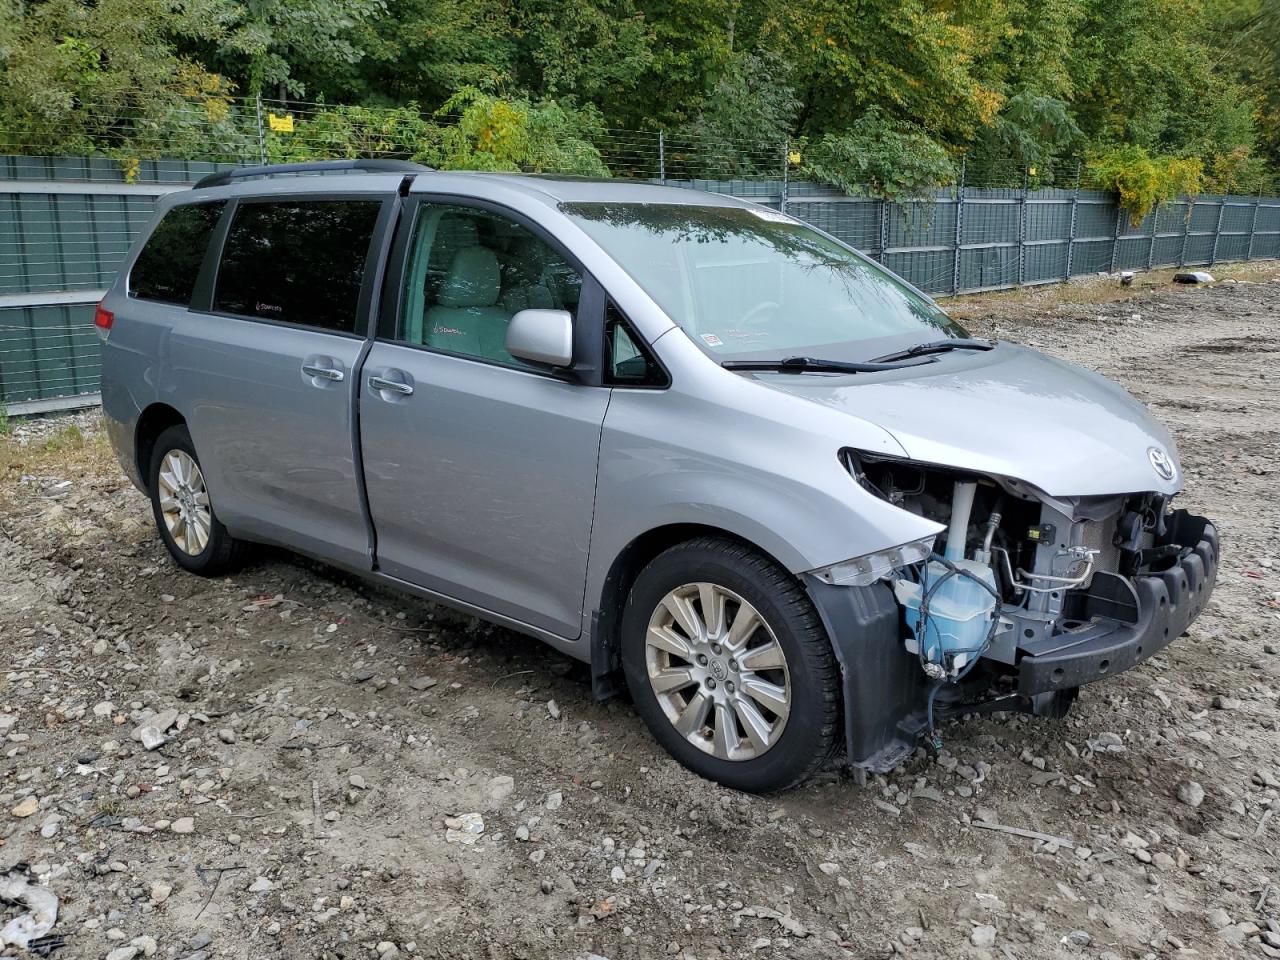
{"points": [[541, 336]]}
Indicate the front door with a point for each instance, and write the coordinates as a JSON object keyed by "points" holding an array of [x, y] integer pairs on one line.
{"points": [[271, 369], [480, 469]]}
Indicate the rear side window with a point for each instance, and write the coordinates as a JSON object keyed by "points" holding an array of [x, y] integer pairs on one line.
{"points": [[169, 263], [297, 261]]}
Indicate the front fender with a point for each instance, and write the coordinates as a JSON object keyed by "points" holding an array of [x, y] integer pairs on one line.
{"points": [[774, 481]]}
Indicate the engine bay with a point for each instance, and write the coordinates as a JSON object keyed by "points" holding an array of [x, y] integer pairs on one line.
{"points": [[1016, 573]]}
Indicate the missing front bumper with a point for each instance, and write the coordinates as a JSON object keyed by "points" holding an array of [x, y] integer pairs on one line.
{"points": [[884, 689], [1166, 604]]}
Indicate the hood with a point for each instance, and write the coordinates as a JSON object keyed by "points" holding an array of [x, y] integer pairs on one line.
{"points": [[1009, 412]]}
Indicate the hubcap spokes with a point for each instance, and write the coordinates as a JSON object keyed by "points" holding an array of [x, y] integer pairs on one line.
{"points": [[184, 502], [718, 671]]}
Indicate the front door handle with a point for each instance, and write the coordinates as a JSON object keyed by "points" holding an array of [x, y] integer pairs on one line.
{"points": [[391, 386], [323, 373]]}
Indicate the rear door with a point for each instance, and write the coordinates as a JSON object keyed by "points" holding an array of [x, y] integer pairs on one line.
{"points": [[481, 469], [268, 371]]}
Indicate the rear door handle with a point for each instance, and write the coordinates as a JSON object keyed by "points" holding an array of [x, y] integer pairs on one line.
{"points": [[391, 386], [323, 373]]}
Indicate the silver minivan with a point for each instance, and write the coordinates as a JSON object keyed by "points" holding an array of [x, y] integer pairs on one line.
{"points": [[746, 473]]}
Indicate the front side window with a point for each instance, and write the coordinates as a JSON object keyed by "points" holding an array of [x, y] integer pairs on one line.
{"points": [[167, 268], [297, 261], [753, 284], [469, 272]]}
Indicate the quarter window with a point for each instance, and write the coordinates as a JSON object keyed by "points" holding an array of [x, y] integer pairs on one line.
{"points": [[169, 263], [297, 261], [628, 362], [469, 272]]}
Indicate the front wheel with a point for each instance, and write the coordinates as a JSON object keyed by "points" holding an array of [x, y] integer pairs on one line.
{"points": [[183, 511], [730, 667]]}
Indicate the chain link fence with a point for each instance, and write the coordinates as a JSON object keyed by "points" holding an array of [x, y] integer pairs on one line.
{"points": [[69, 210]]}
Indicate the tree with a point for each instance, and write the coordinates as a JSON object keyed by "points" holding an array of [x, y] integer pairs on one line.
{"points": [[1026, 141], [274, 46], [742, 125], [589, 51], [880, 157], [912, 62], [78, 77], [1249, 38], [424, 51], [1159, 89], [693, 46]]}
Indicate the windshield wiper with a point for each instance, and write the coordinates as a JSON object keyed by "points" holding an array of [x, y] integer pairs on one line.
{"points": [[814, 365], [937, 346]]}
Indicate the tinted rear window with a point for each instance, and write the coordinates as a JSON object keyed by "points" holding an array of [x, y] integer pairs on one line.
{"points": [[168, 265], [297, 261]]}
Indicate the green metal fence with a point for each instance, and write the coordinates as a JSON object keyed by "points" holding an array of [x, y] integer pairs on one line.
{"points": [[66, 223]]}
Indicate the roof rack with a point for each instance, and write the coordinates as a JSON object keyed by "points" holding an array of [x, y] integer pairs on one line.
{"points": [[224, 177]]}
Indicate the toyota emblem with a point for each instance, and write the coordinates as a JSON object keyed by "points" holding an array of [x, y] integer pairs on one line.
{"points": [[1162, 463]]}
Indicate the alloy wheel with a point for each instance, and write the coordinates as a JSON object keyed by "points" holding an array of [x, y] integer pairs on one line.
{"points": [[718, 671], [184, 502]]}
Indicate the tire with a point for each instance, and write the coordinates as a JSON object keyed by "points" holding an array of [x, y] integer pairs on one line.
{"points": [[203, 546], [795, 741]]}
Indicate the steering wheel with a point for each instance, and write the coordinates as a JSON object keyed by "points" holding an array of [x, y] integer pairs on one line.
{"points": [[754, 315]]}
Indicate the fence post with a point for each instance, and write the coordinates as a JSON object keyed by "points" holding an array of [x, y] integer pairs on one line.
{"points": [[884, 228], [262, 136], [1253, 225], [782, 200], [1071, 233], [662, 156], [959, 239], [1155, 228], [1115, 238], [1217, 231], [1186, 230], [1022, 228]]}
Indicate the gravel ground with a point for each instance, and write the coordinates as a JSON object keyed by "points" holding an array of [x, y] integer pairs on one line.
{"points": [[322, 750]]}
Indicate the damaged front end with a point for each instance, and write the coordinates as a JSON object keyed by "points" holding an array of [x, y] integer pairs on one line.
{"points": [[1021, 600]]}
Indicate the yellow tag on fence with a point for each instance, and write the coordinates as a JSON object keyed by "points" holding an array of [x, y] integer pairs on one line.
{"points": [[280, 124]]}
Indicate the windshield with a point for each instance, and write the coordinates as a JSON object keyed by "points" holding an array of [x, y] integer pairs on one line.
{"points": [[749, 282]]}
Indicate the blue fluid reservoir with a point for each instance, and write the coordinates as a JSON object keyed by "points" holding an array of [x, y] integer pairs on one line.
{"points": [[959, 617]]}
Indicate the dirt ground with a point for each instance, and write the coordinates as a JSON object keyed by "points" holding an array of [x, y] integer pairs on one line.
{"points": [[321, 733]]}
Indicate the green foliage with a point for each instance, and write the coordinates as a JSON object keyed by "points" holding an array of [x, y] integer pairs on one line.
{"points": [[78, 77], [1142, 181], [1249, 30], [908, 59], [340, 132], [496, 134], [742, 125], [268, 43], [423, 51], [897, 161], [1240, 171], [472, 131], [886, 88], [593, 51], [1032, 132]]}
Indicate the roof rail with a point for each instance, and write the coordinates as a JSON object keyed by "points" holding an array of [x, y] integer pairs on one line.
{"points": [[224, 177]]}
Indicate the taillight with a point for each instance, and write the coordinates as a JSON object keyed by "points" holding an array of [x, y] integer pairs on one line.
{"points": [[103, 318]]}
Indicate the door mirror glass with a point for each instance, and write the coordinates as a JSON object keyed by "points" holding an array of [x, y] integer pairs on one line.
{"points": [[541, 336]]}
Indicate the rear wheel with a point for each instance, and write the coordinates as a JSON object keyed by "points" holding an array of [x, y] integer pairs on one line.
{"points": [[182, 509], [730, 667]]}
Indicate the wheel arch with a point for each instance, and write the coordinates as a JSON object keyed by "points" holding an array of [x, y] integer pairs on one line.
{"points": [[153, 421], [606, 620]]}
